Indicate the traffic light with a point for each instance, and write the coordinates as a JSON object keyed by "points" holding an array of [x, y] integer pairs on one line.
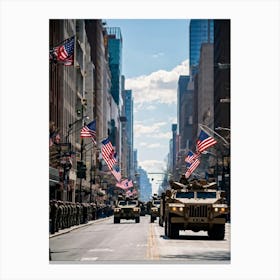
{"points": [[81, 170]]}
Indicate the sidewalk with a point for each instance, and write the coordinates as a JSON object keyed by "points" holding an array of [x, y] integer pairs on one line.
{"points": [[66, 230]]}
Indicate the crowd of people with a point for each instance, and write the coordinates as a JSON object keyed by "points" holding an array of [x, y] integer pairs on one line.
{"points": [[65, 214]]}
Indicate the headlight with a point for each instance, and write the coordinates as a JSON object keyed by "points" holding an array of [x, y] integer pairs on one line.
{"points": [[135, 209], [220, 209], [177, 208], [116, 209]]}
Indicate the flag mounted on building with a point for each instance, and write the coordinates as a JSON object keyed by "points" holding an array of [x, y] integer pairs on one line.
{"points": [[122, 184], [191, 157], [89, 131], [108, 153], [116, 172], [64, 52], [204, 142], [192, 168]]}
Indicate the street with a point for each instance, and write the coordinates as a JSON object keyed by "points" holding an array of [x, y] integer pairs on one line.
{"points": [[130, 242]]}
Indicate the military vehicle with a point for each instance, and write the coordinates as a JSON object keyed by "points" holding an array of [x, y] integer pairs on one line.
{"points": [[127, 209], [154, 208], [196, 206]]}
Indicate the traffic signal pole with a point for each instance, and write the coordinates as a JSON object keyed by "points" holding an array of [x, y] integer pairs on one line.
{"points": [[82, 147]]}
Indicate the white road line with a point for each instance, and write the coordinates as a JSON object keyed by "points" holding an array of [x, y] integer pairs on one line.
{"points": [[101, 250], [142, 245], [89, 259]]}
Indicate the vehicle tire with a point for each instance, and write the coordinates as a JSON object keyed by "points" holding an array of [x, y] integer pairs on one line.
{"points": [[217, 232], [152, 219], [116, 220], [137, 219], [160, 222], [172, 229], [165, 228]]}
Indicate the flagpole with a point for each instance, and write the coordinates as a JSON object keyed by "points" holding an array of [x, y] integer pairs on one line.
{"points": [[202, 126], [60, 43]]}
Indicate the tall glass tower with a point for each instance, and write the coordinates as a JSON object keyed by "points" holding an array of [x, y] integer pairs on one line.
{"points": [[115, 61], [201, 31], [129, 128]]}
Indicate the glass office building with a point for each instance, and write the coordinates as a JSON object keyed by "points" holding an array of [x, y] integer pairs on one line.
{"points": [[115, 61], [201, 31]]}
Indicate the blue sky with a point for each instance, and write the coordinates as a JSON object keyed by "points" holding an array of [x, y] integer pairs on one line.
{"points": [[155, 53], [152, 44]]}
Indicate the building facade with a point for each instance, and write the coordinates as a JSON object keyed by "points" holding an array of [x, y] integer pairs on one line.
{"points": [[222, 110], [200, 31], [184, 112], [128, 101], [79, 94]]}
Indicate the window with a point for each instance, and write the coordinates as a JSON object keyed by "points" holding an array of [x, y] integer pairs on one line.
{"points": [[133, 202], [185, 195], [204, 195], [122, 203]]}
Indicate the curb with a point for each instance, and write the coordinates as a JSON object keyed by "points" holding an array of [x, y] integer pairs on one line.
{"points": [[67, 230]]}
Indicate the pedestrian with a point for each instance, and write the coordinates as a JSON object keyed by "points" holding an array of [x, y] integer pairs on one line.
{"points": [[53, 216]]}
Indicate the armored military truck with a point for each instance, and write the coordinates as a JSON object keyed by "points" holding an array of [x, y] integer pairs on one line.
{"points": [[154, 208], [127, 209], [196, 206]]}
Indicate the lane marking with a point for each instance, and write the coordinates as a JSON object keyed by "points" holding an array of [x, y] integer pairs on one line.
{"points": [[101, 250], [89, 259], [152, 248]]}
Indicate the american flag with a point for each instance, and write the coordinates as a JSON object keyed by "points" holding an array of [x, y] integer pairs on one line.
{"points": [[116, 172], [122, 184], [130, 193], [130, 184], [64, 52], [192, 168], [191, 156], [204, 142], [108, 153], [89, 131]]}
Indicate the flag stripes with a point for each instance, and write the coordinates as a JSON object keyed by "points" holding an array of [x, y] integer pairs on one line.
{"points": [[89, 131], [192, 167], [204, 142], [108, 153]]}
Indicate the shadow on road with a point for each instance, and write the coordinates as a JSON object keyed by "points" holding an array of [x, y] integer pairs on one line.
{"points": [[203, 256], [191, 237]]}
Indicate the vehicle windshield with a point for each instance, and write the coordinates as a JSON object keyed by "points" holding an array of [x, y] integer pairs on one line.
{"points": [[185, 195], [156, 202], [132, 202], [122, 203], [206, 195]]}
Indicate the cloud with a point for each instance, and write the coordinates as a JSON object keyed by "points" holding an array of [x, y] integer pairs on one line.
{"points": [[151, 107], [140, 129], [157, 55], [150, 146], [154, 145], [159, 86], [153, 165], [162, 135]]}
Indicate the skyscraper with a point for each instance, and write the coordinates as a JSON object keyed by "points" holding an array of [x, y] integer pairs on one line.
{"points": [[201, 31], [115, 61], [184, 112], [129, 129]]}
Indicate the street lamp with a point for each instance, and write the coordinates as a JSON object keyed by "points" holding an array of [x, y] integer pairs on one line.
{"points": [[70, 126], [222, 128]]}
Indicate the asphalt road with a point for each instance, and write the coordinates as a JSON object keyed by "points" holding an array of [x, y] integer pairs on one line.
{"points": [[130, 242]]}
